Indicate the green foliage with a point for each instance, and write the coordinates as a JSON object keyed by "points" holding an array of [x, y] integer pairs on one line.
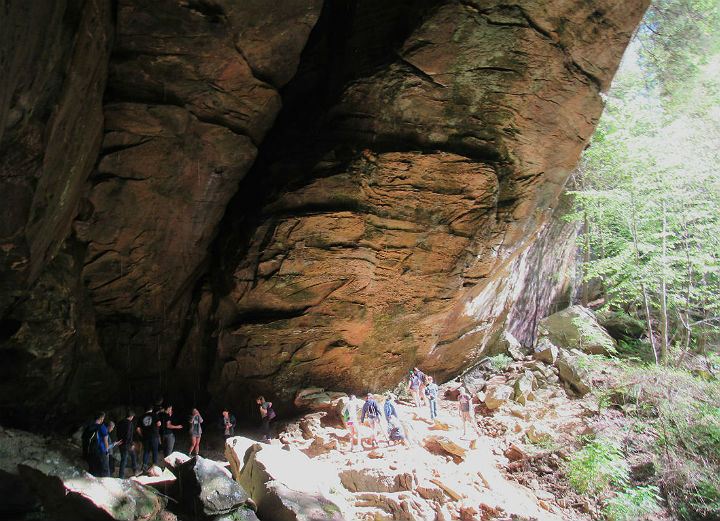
{"points": [[675, 38], [649, 188], [500, 362], [598, 467], [678, 416], [633, 504]]}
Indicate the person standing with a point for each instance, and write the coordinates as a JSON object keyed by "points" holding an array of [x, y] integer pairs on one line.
{"points": [[228, 423], [126, 446], [422, 382], [432, 391], [464, 403], [371, 410], [350, 414], [167, 428], [267, 414], [98, 447], [195, 432], [414, 384], [389, 407], [149, 429]]}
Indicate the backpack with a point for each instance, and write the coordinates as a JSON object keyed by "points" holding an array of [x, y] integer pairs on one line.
{"points": [[89, 437]]}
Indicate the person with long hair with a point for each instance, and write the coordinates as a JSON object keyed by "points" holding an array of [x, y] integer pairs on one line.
{"points": [[195, 432]]}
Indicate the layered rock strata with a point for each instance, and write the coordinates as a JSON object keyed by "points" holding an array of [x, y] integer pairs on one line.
{"points": [[416, 231], [276, 194]]}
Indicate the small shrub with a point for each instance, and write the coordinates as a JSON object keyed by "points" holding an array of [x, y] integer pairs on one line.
{"points": [[633, 504], [500, 362], [597, 467]]}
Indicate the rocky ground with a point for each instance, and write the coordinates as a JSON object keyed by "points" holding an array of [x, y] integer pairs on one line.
{"points": [[510, 468], [532, 412]]}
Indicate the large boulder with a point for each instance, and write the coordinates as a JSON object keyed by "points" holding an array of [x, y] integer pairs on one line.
{"points": [[286, 485], [235, 449], [206, 490], [523, 388], [376, 479], [577, 328], [545, 350], [621, 326], [317, 399], [574, 371], [72, 495], [498, 395]]}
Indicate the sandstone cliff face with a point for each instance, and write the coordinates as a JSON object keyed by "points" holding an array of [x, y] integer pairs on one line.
{"points": [[53, 57], [410, 239], [277, 193]]}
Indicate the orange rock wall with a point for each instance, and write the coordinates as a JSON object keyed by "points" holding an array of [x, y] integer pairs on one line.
{"points": [[211, 199]]}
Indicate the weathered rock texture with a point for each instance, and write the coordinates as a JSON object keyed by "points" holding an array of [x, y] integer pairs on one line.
{"points": [[287, 192], [53, 57], [423, 219]]}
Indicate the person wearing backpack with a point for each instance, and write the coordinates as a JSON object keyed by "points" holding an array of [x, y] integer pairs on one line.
{"points": [[422, 382], [125, 430], [371, 410], [267, 414], [414, 385], [95, 447]]}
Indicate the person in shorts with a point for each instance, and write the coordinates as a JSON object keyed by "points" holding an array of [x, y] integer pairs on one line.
{"points": [[350, 414], [464, 405], [371, 411], [195, 432]]}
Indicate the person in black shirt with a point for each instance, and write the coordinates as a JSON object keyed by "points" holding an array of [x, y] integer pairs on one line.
{"points": [[126, 446], [166, 430], [149, 429], [228, 423]]}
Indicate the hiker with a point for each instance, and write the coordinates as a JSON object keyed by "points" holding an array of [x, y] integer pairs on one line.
{"points": [[267, 414], [111, 445], [195, 432], [414, 384], [395, 431], [228, 423], [166, 430], [149, 429], [432, 390], [125, 442], [389, 407], [95, 447], [422, 377], [372, 411], [464, 403], [350, 415]]}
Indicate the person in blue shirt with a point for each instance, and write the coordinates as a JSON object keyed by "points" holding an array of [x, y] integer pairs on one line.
{"points": [[432, 390], [98, 461], [389, 408]]}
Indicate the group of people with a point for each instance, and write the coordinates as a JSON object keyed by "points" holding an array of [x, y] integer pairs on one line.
{"points": [[356, 413], [424, 391], [156, 429]]}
